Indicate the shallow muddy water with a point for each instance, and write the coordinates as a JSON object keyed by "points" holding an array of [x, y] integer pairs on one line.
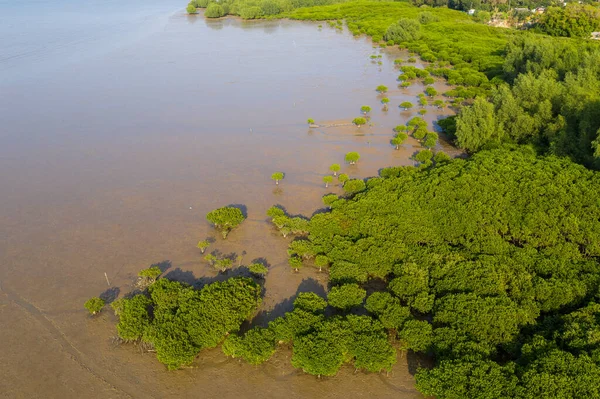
{"points": [[121, 126]]}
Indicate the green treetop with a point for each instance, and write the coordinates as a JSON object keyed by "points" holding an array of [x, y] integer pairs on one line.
{"points": [[94, 305], [359, 121], [406, 105], [335, 168], [225, 219], [352, 157], [191, 9], [258, 269], [277, 176], [295, 263], [203, 245], [381, 89], [399, 139], [343, 178], [346, 296]]}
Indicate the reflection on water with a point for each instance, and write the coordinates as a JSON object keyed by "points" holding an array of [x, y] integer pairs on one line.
{"points": [[123, 124]]}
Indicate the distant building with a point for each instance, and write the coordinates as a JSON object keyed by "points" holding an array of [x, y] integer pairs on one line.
{"points": [[471, 11], [521, 10], [540, 10], [596, 35]]}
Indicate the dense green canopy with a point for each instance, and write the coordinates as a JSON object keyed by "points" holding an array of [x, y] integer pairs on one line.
{"points": [[180, 321], [499, 251]]}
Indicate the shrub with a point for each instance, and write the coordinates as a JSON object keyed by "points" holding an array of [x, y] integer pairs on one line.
{"points": [[359, 121], [214, 10], [191, 9], [94, 305]]}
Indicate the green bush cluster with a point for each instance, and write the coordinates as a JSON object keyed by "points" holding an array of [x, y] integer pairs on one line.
{"points": [[574, 20], [321, 345], [252, 9], [225, 219], [287, 225], [491, 266], [179, 321]]}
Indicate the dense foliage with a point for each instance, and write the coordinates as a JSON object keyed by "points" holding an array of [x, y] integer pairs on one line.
{"points": [[498, 252], [574, 20], [553, 101], [179, 321], [94, 305], [321, 345], [225, 219]]}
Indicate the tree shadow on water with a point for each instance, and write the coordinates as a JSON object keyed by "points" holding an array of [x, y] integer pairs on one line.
{"points": [[163, 266], [241, 271], [263, 317], [181, 276], [319, 211], [110, 295], [241, 207], [416, 361]]}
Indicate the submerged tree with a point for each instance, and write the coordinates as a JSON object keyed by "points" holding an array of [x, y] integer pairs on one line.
{"points": [[430, 91], [352, 157], [365, 109], [214, 10], [385, 102], [223, 264], [343, 178], [149, 275], [258, 269], [327, 180], [225, 219], [191, 9], [402, 129], [399, 139], [335, 168], [359, 121], [381, 89], [295, 263], [94, 305], [277, 176], [203, 245], [406, 105], [211, 259], [310, 121]]}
